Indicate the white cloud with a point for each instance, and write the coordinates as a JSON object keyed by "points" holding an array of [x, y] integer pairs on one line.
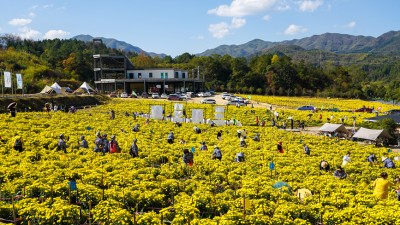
{"points": [[266, 17], [199, 37], [219, 30], [352, 24], [34, 7], [52, 34], [283, 6], [294, 29], [19, 22], [237, 22], [31, 14], [28, 33], [47, 6], [240, 8], [309, 5]]}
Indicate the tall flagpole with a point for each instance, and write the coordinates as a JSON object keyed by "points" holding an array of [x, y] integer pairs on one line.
{"points": [[2, 88]]}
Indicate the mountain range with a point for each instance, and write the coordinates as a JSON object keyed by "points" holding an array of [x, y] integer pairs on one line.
{"points": [[387, 44], [116, 44]]}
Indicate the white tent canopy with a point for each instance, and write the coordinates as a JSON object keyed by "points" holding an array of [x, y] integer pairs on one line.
{"points": [[50, 90], [371, 134], [56, 85], [329, 127], [85, 87]]}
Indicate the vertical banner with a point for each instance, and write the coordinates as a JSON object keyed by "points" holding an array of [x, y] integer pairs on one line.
{"points": [[7, 79], [197, 116], [156, 112], [19, 80]]}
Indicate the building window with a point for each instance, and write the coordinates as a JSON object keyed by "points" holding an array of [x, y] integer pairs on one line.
{"points": [[183, 75], [131, 75], [140, 75], [166, 75], [150, 75], [162, 75], [176, 75]]}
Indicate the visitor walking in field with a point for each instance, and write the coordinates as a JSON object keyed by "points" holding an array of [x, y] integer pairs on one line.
{"points": [[170, 138], [340, 173], [219, 135], [18, 145], [324, 165], [83, 143], [134, 150], [98, 143], [306, 149], [62, 145], [217, 154], [381, 186], [113, 145], [372, 159], [280, 147], [346, 159], [105, 144], [187, 157], [388, 163], [203, 146], [239, 157]]}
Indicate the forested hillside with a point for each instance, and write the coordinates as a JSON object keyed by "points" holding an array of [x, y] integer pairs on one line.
{"points": [[282, 70]]}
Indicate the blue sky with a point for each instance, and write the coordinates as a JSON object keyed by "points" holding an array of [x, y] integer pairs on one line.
{"points": [[174, 27]]}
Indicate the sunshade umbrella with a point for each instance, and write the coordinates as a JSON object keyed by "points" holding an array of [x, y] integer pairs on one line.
{"points": [[282, 185], [12, 105], [303, 193]]}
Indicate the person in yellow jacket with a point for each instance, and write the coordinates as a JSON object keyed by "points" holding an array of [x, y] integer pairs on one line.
{"points": [[381, 186]]}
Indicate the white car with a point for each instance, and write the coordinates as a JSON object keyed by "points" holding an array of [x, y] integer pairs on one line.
{"points": [[124, 95], [208, 101], [164, 96], [206, 94], [155, 95], [224, 96]]}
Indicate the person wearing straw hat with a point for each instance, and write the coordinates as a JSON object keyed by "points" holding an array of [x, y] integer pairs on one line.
{"points": [[324, 165], [387, 162]]}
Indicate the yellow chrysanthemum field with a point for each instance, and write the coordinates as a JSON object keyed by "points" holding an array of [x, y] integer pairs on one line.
{"points": [[157, 187]]}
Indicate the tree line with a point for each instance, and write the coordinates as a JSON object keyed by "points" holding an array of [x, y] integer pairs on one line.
{"points": [[45, 61]]}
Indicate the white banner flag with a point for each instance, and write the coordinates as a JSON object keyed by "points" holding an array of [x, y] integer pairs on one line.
{"points": [[19, 80], [7, 79]]}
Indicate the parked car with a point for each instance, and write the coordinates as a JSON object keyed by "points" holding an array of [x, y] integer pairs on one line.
{"points": [[155, 95], [145, 95], [306, 107], [174, 97], [164, 96], [365, 109], [208, 101], [200, 94], [113, 95], [207, 94], [124, 95], [224, 96], [235, 102]]}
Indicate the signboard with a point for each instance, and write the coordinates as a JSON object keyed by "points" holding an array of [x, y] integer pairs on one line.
{"points": [[107, 80], [19, 81], [7, 79]]}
